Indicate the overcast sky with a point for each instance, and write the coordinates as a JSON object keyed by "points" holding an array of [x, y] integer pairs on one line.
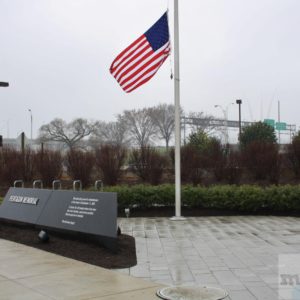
{"points": [[56, 56]]}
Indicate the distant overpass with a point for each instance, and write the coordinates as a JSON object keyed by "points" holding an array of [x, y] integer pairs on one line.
{"points": [[218, 123]]}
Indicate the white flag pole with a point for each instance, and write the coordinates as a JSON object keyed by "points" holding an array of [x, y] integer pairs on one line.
{"points": [[177, 117]]}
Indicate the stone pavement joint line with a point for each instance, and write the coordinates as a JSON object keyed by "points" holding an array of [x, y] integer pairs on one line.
{"points": [[237, 253]]}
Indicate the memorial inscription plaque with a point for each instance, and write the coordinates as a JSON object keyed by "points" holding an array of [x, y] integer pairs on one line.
{"points": [[93, 213]]}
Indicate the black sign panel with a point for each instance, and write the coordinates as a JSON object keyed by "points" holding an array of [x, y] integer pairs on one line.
{"points": [[24, 205], [91, 214], [86, 212]]}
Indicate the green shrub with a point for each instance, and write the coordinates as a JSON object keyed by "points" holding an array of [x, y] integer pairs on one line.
{"points": [[244, 198]]}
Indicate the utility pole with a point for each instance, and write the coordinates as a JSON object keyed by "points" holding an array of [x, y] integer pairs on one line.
{"points": [[2, 84], [239, 102], [184, 128], [225, 112], [279, 122], [30, 124], [23, 143]]}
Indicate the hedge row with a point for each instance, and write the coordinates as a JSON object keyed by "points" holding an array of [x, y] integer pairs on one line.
{"points": [[244, 198]]}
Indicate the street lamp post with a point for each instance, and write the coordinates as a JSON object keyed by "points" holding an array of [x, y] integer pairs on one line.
{"points": [[225, 112], [30, 123], [3, 84], [239, 102]]}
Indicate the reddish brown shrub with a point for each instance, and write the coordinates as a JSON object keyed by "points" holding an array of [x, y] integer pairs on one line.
{"points": [[148, 164], [110, 159], [11, 165], [16, 164], [28, 168], [80, 165], [217, 158], [293, 156], [262, 160], [233, 170], [192, 163], [48, 165]]}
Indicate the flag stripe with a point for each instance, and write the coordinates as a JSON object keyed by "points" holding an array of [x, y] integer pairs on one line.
{"points": [[135, 64], [144, 63], [147, 75], [144, 44], [146, 78], [134, 60], [150, 69], [134, 80], [116, 61]]}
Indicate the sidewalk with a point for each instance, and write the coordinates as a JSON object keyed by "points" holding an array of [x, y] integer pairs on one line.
{"points": [[30, 274]]}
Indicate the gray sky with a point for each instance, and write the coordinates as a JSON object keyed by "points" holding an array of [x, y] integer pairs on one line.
{"points": [[56, 56]]}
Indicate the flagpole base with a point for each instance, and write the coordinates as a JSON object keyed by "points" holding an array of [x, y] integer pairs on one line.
{"points": [[178, 218]]}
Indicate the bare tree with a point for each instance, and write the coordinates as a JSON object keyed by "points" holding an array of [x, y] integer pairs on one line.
{"points": [[163, 118], [139, 125], [68, 133], [114, 133]]}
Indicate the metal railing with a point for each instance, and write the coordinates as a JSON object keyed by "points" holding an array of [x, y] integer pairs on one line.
{"points": [[18, 182], [56, 182], [97, 184], [40, 182], [77, 183]]}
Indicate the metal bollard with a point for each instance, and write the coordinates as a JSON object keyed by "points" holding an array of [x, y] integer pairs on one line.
{"points": [[54, 182], [97, 183], [75, 182], [36, 182], [17, 182]]}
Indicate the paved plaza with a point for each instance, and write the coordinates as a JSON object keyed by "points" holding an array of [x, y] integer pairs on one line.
{"points": [[238, 253]]}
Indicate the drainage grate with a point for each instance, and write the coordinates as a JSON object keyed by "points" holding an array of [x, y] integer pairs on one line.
{"points": [[192, 293]]}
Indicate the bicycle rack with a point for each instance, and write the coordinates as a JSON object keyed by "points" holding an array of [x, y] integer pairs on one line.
{"points": [[17, 182], [76, 182], [56, 182], [40, 182], [97, 183]]}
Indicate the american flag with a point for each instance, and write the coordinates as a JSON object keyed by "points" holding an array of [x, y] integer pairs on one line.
{"points": [[139, 62]]}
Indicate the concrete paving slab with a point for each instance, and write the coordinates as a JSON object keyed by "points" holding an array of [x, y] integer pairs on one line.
{"points": [[12, 290], [148, 293]]}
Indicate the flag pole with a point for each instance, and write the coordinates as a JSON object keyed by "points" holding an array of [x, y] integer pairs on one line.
{"points": [[177, 116]]}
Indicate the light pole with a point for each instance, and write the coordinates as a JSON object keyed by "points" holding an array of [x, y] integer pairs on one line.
{"points": [[3, 84], [30, 123], [225, 112], [239, 102]]}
